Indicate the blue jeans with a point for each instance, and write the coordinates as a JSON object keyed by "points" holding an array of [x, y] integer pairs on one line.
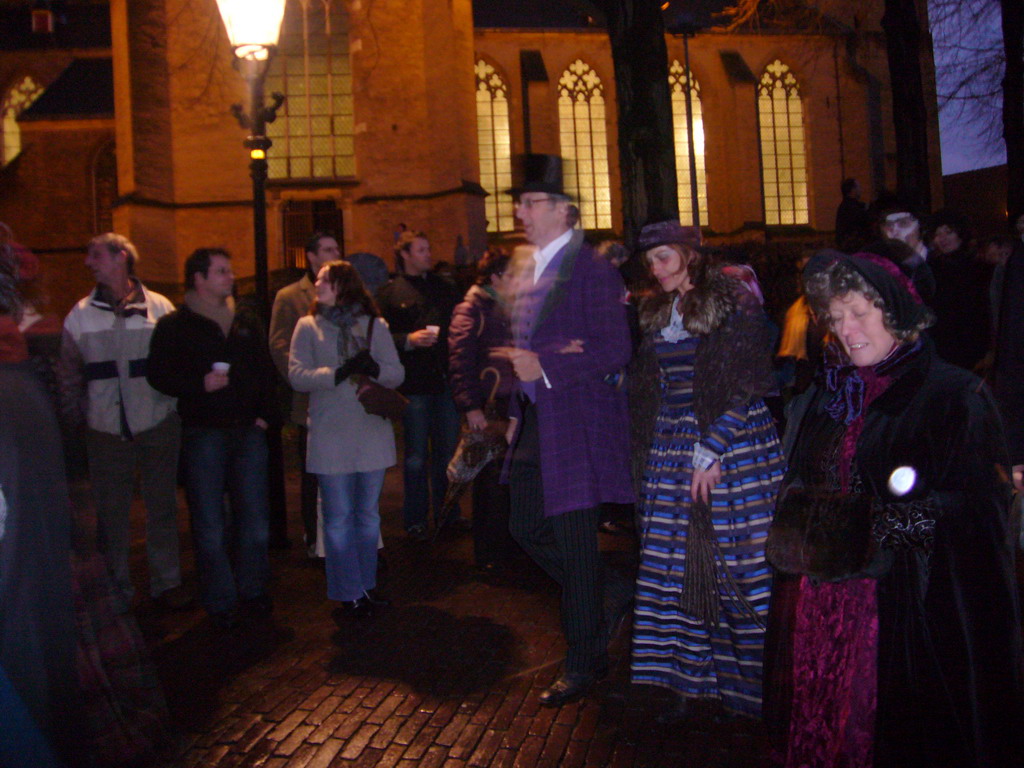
{"points": [[431, 434], [351, 528], [231, 555]]}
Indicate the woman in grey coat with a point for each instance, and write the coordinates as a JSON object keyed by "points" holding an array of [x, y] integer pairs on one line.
{"points": [[348, 449]]}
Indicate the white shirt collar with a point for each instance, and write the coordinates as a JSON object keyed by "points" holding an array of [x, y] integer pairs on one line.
{"points": [[544, 255]]}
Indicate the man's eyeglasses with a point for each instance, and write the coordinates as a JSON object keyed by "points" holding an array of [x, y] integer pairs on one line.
{"points": [[529, 202]]}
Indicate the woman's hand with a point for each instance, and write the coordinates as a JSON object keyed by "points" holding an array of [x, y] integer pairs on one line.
{"points": [[422, 338], [704, 481], [476, 420]]}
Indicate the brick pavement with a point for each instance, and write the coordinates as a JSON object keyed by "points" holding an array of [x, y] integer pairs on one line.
{"points": [[447, 677]]}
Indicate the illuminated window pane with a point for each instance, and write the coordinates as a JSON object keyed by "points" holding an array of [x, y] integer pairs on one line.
{"points": [[312, 70], [277, 167], [679, 80], [322, 166], [18, 99], [494, 146], [783, 160], [584, 141], [321, 126]]}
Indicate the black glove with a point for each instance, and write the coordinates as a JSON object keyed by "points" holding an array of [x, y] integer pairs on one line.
{"points": [[360, 363]]}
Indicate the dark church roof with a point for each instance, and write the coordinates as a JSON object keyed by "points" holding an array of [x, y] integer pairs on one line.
{"points": [[572, 14], [84, 89], [529, 14]]}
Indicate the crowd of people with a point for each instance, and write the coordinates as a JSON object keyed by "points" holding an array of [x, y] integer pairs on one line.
{"points": [[822, 511]]}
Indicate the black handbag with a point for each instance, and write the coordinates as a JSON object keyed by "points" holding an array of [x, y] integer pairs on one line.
{"points": [[377, 399]]}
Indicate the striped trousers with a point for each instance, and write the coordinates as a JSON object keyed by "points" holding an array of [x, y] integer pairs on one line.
{"points": [[565, 546]]}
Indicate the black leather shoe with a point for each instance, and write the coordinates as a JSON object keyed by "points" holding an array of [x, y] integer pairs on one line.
{"points": [[352, 609], [568, 688], [375, 599]]}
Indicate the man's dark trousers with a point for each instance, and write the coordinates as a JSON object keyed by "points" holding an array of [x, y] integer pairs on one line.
{"points": [[565, 546]]}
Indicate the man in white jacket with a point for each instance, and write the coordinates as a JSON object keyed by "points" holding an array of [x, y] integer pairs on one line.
{"points": [[129, 425]]}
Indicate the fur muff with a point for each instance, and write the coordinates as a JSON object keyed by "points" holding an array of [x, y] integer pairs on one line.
{"points": [[826, 535]]}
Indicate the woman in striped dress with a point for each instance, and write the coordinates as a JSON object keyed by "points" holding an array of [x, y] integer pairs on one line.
{"points": [[710, 482]]}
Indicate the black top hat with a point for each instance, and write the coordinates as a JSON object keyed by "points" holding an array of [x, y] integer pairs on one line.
{"points": [[539, 173]]}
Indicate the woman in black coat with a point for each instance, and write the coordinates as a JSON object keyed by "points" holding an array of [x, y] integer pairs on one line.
{"points": [[895, 639], [963, 322]]}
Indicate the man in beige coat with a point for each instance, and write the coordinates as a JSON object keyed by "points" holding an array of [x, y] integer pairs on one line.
{"points": [[291, 303]]}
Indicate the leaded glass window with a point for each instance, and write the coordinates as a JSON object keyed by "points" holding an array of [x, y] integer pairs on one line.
{"points": [[678, 81], [584, 140], [18, 99], [495, 147], [314, 132], [783, 154]]}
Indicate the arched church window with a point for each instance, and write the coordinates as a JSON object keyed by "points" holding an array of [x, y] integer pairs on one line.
{"points": [[495, 146], [678, 81], [783, 154], [314, 132], [18, 98], [584, 141]]}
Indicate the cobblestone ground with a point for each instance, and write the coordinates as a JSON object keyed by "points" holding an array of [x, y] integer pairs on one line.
{"points": [[448, 676]]}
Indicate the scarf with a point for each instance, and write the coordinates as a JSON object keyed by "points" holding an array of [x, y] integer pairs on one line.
{"points": [[491, 291], [344, 318], [847, 383], [853, 390], [222, 314]]}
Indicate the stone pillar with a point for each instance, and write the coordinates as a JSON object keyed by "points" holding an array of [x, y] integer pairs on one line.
{"points": [[415, 112], [182, 170]]}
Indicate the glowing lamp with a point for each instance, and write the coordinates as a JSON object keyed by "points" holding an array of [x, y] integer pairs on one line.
{"points": [[254, 26]]}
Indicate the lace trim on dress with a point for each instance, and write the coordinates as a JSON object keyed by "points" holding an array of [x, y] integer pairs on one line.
{"points": [[674, 332]]}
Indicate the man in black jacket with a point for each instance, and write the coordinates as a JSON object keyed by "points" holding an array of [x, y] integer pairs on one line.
{"points": [[851, 218], [418, 306], [215, 360]]}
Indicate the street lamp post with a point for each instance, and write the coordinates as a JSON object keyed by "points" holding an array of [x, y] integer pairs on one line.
{"points": [[689, 128], [684, 23], [254, 27]]}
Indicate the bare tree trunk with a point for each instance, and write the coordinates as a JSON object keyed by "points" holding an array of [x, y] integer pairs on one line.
{"points": [[910, 116], [646, 149], [1013, 103]]}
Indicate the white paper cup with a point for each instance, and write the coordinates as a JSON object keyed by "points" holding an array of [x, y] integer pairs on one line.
{"points": [[434, 328], [222, 367]]}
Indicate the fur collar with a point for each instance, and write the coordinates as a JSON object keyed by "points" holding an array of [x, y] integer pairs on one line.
{"points": [[704, 308]]}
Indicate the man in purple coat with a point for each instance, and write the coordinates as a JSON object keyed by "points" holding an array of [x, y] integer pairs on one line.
{"points": [[569, 448]]}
